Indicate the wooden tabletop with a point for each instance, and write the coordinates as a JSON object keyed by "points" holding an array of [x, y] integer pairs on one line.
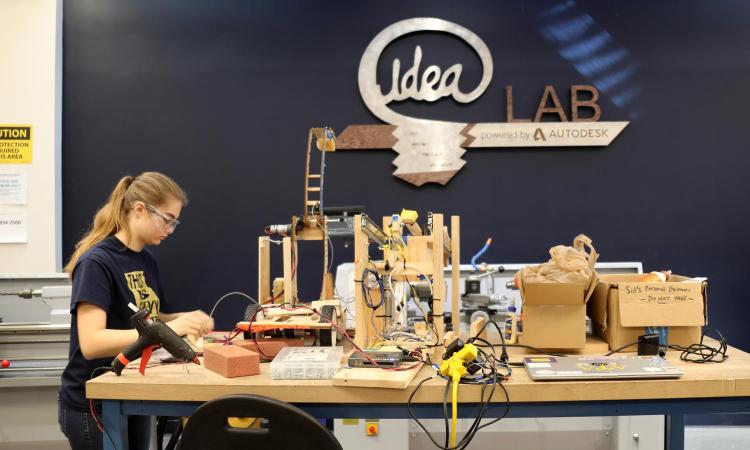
{"points": [[190, 382]]}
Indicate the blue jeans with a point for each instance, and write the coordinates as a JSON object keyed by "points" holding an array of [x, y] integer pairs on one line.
{"points": [[82, 433]]}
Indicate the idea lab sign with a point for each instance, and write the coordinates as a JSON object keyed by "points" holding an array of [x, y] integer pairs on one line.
{"points": [[431, 150]]}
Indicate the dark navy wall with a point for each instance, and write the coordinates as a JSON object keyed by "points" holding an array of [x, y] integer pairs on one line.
{"points": [[220, 96]]}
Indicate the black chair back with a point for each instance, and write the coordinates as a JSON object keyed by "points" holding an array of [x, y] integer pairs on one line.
{"points": [[288, 426]]}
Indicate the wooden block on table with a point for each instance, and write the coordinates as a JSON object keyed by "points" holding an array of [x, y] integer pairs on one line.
{"points": [[476, 325], [231, 361], [374, 377]]}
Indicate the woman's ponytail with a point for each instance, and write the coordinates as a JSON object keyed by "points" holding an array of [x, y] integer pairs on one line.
{"points": [[108, 220]]}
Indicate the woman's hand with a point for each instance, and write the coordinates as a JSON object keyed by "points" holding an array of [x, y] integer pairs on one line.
{"points": [[195, 323]]}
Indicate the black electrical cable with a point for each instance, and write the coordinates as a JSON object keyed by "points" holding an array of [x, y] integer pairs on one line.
{"points": [[507, 410], [703, 353], [492, 346], [414, 297], [366, 291], [411, 413], [617, 350], [504, 358], [504, 355]]}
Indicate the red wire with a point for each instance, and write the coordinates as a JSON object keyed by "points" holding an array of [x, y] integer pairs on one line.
{"points": [[255, 340], [232, 334], [273, 299], [93, 414]]}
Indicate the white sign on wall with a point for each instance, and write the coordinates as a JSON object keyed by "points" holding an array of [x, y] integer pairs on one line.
{"points": [[13, 227], [14, 187]]}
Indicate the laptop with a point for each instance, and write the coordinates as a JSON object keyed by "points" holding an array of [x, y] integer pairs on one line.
{"points": [[556, 368]]}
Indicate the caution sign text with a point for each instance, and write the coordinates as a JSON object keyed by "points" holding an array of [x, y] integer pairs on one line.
{"points": [[15, 144]]}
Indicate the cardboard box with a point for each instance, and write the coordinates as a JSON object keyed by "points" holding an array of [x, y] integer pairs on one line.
{"points": [[554, 314], [622, 307]]}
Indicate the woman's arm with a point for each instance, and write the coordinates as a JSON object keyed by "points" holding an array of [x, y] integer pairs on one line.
{"points": [[196, 323], [168, 317], [97, 341]]}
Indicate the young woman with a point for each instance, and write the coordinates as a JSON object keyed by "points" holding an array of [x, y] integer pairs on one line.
{"points": [[110, 268]]}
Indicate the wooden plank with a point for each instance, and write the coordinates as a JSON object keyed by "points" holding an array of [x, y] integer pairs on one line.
{"points": [[476, 326], [264, 269], [438, 281], [390, 255], [366, 137], [361, 256], [326, 283], [455, 272], [301, 321], [375, 378], [419, 249], [414, 229], [290, 274], [278, 290], [314, 233], [447, 245], [328, 289]]}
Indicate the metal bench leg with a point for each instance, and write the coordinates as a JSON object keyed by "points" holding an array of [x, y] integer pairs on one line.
{"points": [[675, 432], [115, 425]]}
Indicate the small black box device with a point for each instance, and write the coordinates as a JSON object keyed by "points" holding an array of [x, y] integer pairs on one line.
{"points": [[648, 344], [382, 358]]}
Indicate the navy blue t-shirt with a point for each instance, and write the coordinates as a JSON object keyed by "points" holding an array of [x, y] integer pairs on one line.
{"points": [[109, 275]]}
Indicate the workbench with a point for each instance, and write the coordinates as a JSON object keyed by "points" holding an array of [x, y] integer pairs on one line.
{"points": [[177, 390]]}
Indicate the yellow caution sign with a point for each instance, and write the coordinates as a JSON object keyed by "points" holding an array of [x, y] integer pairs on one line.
{"points": [[15, 144]]}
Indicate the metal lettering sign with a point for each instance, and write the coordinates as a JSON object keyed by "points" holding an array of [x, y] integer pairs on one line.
{"points": [[431, 150]]}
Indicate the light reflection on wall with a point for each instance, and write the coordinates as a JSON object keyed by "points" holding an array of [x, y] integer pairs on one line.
{"points": [[593, 52]]}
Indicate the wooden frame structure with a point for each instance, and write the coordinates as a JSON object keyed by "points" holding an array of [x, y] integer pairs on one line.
{"points": [[425, 255], [311, 226]]}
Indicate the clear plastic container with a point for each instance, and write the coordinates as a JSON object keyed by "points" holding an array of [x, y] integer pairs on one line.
{"points": [[306, 363]]}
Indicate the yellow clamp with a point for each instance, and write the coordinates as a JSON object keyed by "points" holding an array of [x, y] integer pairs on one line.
{"points": [[409, 216]]}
